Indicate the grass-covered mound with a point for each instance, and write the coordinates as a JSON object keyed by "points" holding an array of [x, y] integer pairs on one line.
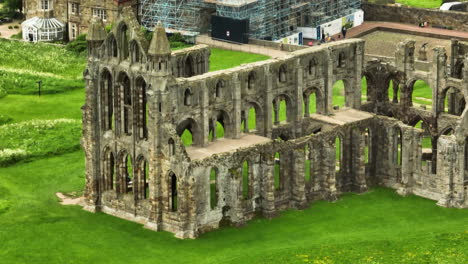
{"points": [[38, 138], [376, 227]]}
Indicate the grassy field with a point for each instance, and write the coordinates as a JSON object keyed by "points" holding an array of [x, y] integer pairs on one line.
{"points": [[376, 227], [419, 3], [34, 228], [422, 3]]}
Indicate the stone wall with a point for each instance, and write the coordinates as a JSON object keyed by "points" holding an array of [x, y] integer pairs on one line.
{"points": [[409, 15]]}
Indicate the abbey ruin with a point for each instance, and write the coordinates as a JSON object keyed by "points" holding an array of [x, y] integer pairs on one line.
{"points": [[141, 97]]}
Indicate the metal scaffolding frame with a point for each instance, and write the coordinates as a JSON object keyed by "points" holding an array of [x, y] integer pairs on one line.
{"points": [[269, 19]]}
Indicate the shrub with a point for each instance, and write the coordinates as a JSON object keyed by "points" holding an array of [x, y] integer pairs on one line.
{"points": [[16, 26], [10, 27], [176, 37], [3, 93], [18, 35], [37, 138], [79, 45], [5, 119]]}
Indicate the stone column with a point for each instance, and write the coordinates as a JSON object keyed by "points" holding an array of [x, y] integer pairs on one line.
{"points": [[268, 186], [329, 155], [205, 118], [298, 181], [328, 73], [90, 141], [236, 115], [299, 81], [268, 103], [446, 170], [358, 161]]}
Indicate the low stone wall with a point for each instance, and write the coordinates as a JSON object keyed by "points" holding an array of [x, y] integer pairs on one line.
{"points": [[450, 19], [276, 45]]}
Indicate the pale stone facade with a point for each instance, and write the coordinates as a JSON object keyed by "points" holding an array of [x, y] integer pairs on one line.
{"points": [[75, 14], [141, 98]]}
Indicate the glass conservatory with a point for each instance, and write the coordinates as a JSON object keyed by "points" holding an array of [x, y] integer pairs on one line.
{"points": [[42, 29]]}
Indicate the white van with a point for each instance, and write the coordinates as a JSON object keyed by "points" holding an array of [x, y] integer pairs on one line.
{"points": [[453, 6]]}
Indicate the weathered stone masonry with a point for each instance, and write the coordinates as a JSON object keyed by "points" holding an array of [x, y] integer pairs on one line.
{"points": [[141, 97]]}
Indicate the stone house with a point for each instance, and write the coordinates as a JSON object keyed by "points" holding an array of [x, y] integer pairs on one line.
{"points": [[48, 20]]}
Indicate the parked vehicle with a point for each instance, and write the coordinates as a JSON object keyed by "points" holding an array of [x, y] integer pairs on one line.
{"points": [[454, 6]]}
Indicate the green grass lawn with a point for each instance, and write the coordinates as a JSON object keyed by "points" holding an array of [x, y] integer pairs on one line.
{"points": [[376, 227], [419, 3], [225, 59], [422, 3]]}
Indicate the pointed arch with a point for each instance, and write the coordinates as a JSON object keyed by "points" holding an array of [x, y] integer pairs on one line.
{"points": [[282, 109], [251, 118], [123, 36], [135, 51], [127, 102], [277, 171], [112, 49], [142, 178], [251, 80], [246, 180], [188, 97], [142, 109], [188, 67], [282, 73], [342, 60], [214, 191], [312, 101], [109, 180], [452, 101], [173, 192], [190, 132], [107, 100]]}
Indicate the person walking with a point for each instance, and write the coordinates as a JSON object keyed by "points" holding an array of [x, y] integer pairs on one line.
{"points": [[344, 30]]}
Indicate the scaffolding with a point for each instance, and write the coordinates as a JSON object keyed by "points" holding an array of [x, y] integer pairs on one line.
{"points": [[269, 19]]}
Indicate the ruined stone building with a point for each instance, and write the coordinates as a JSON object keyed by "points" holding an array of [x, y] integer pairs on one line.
{"points": [[142, 97], [48, 20]]}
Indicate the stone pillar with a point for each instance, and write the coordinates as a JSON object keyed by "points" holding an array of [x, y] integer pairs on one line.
{"points": [[236, 115], [268, 186], [358, 64], [299, 81], [328, 73], [329, 154], [437, 78], [298, 181], [407, 163], [358, 161], [268, 104], [447, 170], [90, 140], [205, 118]]}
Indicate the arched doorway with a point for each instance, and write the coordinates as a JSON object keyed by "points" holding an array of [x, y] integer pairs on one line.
{"points": [[421, 93]]}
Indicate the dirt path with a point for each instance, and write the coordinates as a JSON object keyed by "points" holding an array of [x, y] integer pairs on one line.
{"points": [[6, 33], [65, 200]]}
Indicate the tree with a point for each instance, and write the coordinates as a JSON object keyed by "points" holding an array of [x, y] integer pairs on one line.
{"points": [[13, 5]]}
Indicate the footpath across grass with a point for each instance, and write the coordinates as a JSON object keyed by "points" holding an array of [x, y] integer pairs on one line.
{"points": [[375, 227]]}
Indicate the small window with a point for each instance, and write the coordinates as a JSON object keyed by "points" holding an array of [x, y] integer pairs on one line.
{"points": [[101, 13], [188, 97], [73, 31], [282, 73], [75, 8], [171, 145], [219, 89], [342, 60], [46, 5]]}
